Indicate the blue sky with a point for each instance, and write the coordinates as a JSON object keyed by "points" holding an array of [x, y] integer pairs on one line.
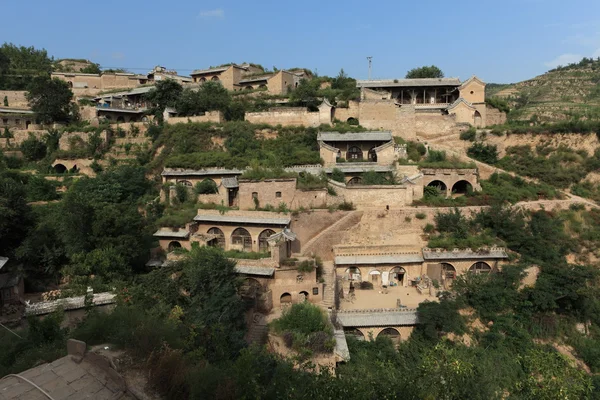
{"points": [[500, 41]]}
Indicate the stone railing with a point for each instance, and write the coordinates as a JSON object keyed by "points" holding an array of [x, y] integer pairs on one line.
{"points": [[69, 303], [376, 310]]}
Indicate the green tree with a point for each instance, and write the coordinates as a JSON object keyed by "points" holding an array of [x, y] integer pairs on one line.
{"points": [[92, 68], [211, 96], [165, 94], [50, 99], [338, 175], [306, 94], [15, 214], [425, 72], [19, 65], [5, 102], [33, 149]]}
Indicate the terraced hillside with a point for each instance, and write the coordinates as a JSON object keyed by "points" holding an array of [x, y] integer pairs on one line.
{"points": [[559, 94]]}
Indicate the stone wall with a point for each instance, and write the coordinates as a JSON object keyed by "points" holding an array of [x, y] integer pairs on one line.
{"points": [[288, 117], [494, 116], [362, 197], [19, 137], [343, 114], [67, 138], [82, 164], [16, 98], [210, 116], [276, 191]]}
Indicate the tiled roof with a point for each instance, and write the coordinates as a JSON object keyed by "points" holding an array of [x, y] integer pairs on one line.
{"points": [[230, 182], [165, 232], [369, 318], [200, 172], [209, 71], [262, 78], [243, 219], [458, 101], [15, 111], [359, 167], [409, 82], [254, 270], [379, 259], [467, 254], [285, 233], [354, 137]]}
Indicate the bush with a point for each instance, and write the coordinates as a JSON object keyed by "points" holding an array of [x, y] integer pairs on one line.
{"points": [[303, 318], [346, 206], [487, 153], [181, 193], [306, 266], [420, 216], [288, 339], [33, 149], [364, 285], [429, 228], [320, 342], [470, 134], [207, 186], [338, 175]]}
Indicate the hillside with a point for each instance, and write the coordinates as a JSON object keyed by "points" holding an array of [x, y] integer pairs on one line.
{"points": [[559, 94]]}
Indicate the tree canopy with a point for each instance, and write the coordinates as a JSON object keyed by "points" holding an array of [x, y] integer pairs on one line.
{"points": [[425, 72], [211, 96], [50, 99], [166, 94], [20, 64]]}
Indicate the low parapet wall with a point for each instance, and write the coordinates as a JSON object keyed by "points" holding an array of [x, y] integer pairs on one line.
{"points": [[286, 117], [210, 116], [363, 196]]}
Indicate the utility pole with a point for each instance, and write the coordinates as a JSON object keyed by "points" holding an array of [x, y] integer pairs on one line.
{"points": [[369, 58]]}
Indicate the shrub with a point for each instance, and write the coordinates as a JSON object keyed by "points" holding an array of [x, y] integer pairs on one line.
{"points": [[207, 186], [338, 175], [420, 216], [306, 266], [469, 134], [364, 285], [487, 153], [429, 228], [33, 149], [288, 339], [346, 206], [320, 342], [303, 318], [407, 219], [181, 193]]}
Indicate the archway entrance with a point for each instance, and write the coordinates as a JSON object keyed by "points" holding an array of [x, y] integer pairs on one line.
{"points": [[353, 274], [174, 245], [357, 180], [462, 187], [477, 119], [251, 289], [356, 333], [285, 298], [372, 155], [60, 169], [354, 154], [263, 245], [391, 333], [439, 186], [241, 240], [448, 273], [480, 268], [375, 277], [397, 276], [352, 121], [303, 296], [218, 241]]}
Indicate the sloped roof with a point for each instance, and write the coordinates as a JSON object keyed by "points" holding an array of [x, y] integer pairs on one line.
{"points": [[247, 218], [354, 137], [458, 101], [285, 233], [230, 182], [210, 70], [472, 78], [379, 259], [262, 78], [385, 317], [408, 82]]}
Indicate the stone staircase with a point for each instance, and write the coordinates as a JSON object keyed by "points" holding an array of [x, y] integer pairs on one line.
{"points": [[258, 330], [343, 223], [329, 285]]}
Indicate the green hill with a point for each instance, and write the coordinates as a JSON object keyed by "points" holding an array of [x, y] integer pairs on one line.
{"points": [[559, 94]]}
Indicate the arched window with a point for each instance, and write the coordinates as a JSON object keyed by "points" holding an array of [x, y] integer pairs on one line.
{"points": [[174, 245], [219, 241], [249, 87], [477, 118], [375, 277], [263, 245], [285, 298], [203, 79], [439, 185], [303, 296], [241, 240], [354, 153], [480, 268], [263, 86], [214, 78], [357, 180], [184, 183], [356, 333]]}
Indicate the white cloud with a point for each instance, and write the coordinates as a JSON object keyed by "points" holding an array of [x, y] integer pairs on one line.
{"points": [[563, 59], [216, 13]]}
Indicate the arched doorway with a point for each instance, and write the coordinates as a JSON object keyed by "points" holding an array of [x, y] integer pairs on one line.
{"points": [[448, 273], [391, 333], [372, 155], [285, 298], [251, 288], [219, 241], [60, 169], [462, 187], [477, 119], [249, 87], [353, 274], [356, 333], [375, 277], [439, 186], [263, 244], [352, 121], [354, 154], [214, 78], [357, 180], [397, 276], [174, 245], [303, 296], [241, 240], [480, 267]]}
